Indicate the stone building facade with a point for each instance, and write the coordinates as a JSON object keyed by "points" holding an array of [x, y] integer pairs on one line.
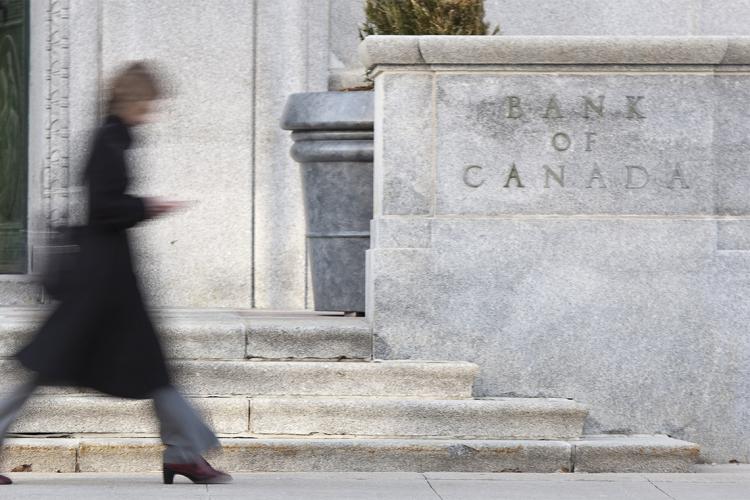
{"points": [[231, 65]]}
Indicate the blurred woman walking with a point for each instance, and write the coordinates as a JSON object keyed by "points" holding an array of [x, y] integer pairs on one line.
{"points": [[100, 335]]}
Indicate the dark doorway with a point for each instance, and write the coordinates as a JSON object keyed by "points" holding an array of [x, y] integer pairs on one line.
{"points": [[13, 135]]}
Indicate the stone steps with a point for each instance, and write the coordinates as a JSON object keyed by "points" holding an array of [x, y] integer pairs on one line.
{"points": [[300, 392], [226, 335], [421, 379], [504, 418], [591, 454], [320, 338]]}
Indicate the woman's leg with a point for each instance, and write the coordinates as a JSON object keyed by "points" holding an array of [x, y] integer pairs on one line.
{"points": [[182, 429], [10, 406]]}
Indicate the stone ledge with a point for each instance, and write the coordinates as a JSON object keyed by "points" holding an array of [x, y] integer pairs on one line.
{"points": [[497, 418], [207, 334], [132, 454], [636, 453], [418, 379], [94, 414], [321, 338], [502, 50], [40, 455], [502, 418], [184, 338], [340, 455], [423, 379]]}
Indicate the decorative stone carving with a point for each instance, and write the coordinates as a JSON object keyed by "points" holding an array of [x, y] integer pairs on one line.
{"points": [[56, 161]]}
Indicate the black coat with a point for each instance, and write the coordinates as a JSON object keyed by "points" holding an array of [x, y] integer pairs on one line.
{"points": [[100, 335]]}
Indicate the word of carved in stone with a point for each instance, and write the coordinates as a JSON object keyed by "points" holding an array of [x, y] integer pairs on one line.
{"points": [[630, 106], [628, 176]]}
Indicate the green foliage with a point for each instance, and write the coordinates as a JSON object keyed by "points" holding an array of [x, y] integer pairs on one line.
{"points": [[425, 17]]}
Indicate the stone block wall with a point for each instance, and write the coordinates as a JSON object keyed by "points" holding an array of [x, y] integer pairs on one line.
{"points": [[571, 215], [232, 64]]}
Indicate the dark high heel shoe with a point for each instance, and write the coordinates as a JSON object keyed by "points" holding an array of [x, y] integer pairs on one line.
{"points": [[199, 473], [5, 480]]}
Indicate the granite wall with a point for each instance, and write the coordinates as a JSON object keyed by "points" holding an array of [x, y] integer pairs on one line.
{"points": [[572, 215], [232, 65]]}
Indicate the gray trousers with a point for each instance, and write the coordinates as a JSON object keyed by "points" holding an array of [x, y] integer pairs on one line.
{"points": [[184, 434]]}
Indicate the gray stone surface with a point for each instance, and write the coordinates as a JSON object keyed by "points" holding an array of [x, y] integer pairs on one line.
{"points": [[383, 455], [322, 338], [512, 418], [400, 232], [724, 17], [464, 50], [295, 32], [592, 17], [633, 454], [119, 455], [625, 299], [184, 336], [328, 111], [730, 148], [211, 334], [220, 113], [396, 50], [206, 337], [318, 42], [91, 414], [394, 278], [403, 144], [109, 454], [38, 148], [733, 235], [345, 68], [588, 297], [546, 490], [387, 455], [201, 148], [14, 334], [43, 455], [325, 378], [690, 491], [391, 485], [19, 292], [474, 132], [84, 100]]}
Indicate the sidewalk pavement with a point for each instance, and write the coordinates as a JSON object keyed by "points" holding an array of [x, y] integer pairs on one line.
{"points": [[726, 482]]}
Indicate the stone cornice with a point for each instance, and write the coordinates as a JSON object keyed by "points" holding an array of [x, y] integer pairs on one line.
{"points": [[563, 50]]}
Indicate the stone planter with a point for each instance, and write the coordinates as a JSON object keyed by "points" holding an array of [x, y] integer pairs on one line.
{"points": [[333, 142]]}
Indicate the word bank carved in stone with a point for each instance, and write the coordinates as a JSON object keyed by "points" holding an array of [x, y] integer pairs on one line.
{"points": [[588, 107]]}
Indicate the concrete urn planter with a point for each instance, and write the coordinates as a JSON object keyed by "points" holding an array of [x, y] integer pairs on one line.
{"points": [[333, 142]]}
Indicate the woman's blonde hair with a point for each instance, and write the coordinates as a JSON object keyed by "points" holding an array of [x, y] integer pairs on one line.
{"points": [[137, 81]]}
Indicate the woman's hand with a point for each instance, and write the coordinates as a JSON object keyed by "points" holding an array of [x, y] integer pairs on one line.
{"points": [[156, 207]]}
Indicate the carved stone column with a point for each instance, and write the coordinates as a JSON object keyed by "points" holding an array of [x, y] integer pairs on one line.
{"points": [[56, 162]]}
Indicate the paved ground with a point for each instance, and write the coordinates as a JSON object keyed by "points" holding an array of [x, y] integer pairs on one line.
{"points": [[719, 482]]}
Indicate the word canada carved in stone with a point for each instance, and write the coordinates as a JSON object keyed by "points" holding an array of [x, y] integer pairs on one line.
{"points": [[628, 176]]}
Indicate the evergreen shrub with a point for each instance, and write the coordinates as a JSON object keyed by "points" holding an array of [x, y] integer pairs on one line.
{"points": [[425, 17]]}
